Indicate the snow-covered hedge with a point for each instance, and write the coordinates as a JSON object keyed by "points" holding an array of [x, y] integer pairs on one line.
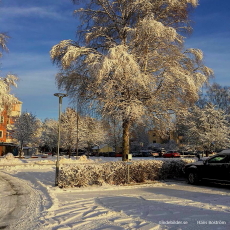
{"points": [[116, 173]]}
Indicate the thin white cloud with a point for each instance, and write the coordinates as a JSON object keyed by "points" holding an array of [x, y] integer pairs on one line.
{"points": [[42, 12], [36, 82], [35, 71]]}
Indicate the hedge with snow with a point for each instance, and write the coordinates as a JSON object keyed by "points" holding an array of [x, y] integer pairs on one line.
{"points": [[116, 173]]}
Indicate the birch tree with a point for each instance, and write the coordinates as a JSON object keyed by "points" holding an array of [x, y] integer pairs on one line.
{"points": [[130, 60]]}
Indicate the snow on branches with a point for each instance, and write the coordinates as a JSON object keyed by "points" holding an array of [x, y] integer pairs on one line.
{"points": [[27, 130], [116, 173], [133, 63], [7, 100], [205, 128]]}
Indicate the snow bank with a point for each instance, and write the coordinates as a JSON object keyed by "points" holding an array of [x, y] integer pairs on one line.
{"points": [[9, 159], [82, 158]]}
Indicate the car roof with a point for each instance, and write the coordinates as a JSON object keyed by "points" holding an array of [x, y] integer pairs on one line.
{"points": [[226, 151], [223, 153]]}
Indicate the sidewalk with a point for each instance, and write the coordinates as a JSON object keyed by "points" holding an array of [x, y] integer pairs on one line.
{"points": [[8, 201], [20, 204]]}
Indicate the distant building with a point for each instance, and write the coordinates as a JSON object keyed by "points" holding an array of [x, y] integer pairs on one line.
{"points": [[7, 120], [155, 137], [102, 149]]}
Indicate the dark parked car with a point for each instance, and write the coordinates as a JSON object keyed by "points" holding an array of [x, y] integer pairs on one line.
{"points": [[213, 169], [109, 154], [146, 153], [171, 154], [161, 152]]}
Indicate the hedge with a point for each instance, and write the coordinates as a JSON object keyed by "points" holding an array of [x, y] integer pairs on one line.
{"points": [[116, 173]]}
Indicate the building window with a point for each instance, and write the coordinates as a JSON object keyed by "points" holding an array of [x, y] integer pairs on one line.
{"points": [[1, 119], [1, 134]]}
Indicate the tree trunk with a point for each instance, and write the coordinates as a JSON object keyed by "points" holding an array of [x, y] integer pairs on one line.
{"points": [[77, 135], [20, 153], [69, 152], [125, 144]]}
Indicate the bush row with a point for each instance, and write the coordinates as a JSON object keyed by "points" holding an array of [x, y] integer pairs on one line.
{"points": [[116, 173]]}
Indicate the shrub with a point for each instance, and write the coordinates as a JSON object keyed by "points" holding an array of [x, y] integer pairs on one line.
{"points": [[116, 173]]}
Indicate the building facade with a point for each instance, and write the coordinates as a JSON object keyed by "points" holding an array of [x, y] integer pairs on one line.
{"points": [[7, 119]]}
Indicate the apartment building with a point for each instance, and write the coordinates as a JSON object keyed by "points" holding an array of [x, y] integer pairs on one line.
{"points": [[7, 120]]}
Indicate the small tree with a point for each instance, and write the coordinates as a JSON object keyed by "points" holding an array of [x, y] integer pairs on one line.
{"points": [[25, 129], [92, 132], [49, 135], [70, 130], [114, 129]]}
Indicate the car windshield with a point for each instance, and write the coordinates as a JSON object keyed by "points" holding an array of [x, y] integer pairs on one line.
{"points": [[217, 159]]}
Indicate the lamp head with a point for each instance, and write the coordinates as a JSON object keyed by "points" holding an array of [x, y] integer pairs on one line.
{"points": [[60, 95]]}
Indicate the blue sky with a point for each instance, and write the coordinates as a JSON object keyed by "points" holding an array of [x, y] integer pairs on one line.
{"points": [[35, 26]]}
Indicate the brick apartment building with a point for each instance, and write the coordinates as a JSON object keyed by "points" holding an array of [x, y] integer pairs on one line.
{"points": [[7, 120]]}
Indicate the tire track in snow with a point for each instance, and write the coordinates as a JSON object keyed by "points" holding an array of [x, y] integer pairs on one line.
{"points": [[26, 208], [91, 214]]}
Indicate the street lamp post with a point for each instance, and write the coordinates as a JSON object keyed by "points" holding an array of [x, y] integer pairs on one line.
{"points": [[60, 96]]}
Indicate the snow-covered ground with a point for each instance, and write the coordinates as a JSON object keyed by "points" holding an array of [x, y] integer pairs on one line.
{"points": [[29, 200]]}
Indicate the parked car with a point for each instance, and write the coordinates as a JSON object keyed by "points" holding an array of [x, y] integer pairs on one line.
{"points": [[109, 154], [171, 154], [215, 168], [146, 153], [134, 154], [161, 152], [118, 154], [155, 154]]}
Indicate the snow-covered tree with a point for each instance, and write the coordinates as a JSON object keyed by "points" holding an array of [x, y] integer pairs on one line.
{"points": [[3, 41], [26, 130], [219, 96], [92, 132], [80, 131], [49, 135], [69, 125], [133, 63], [205, 128], [7, 100], [139, 137], [114, 129]]}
